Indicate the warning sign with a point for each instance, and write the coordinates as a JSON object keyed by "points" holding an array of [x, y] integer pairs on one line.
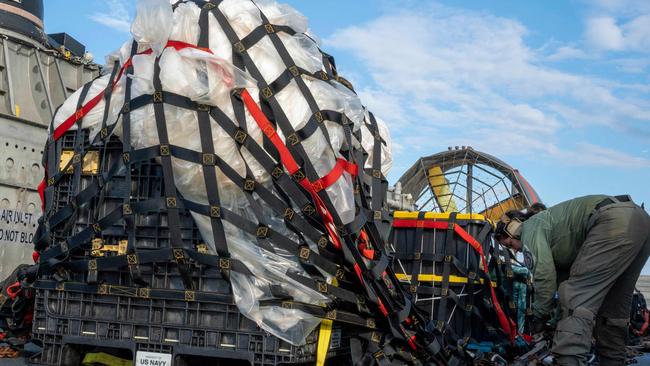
{"points": [[17, 227]]}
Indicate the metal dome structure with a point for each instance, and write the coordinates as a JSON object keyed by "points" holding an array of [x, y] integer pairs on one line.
{"points": [[467, 181]]}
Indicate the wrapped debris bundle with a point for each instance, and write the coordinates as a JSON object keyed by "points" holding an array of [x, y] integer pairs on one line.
{"points": [[269, 149]]}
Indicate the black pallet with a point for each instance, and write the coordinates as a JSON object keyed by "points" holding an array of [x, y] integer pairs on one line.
{"points": [[71, 322], [435, 241]]}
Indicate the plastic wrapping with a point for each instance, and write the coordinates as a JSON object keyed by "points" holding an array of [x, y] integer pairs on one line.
{"points": [[209, 78]]}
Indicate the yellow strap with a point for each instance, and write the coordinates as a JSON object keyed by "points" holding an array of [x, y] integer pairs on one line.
{"points": [[435, 278], [324, 337], [101, 358]]}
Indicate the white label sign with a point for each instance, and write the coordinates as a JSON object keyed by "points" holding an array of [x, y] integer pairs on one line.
{"points": [[153, 359], [17, 227]]}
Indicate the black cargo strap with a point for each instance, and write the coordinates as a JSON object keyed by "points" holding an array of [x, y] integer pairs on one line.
{"points": [[155, 256], [324, 312], [208, 158], [76, 160], [446, 271], [129, 217], [135, 292], [171, 196], [419, 244]]}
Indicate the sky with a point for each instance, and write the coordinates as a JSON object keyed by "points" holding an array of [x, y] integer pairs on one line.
{"points": [[559, 90]]}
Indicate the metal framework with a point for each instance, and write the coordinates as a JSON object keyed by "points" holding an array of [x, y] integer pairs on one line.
{"points": [[469, 181]]}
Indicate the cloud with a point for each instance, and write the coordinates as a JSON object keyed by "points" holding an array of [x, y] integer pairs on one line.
{"points": [[593, 155], [469, 78], [618, 25], [603, 33], [567, 52], [117, 16]]}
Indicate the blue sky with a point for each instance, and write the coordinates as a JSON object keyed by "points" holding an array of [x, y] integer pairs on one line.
{"points": [[560, 90]]}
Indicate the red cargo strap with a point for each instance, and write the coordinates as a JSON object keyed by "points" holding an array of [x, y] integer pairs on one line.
{"points": [[13, 290], [41, 193], [70, 121], [341, 166], [364, 246], [292, 167], [507, 324]]}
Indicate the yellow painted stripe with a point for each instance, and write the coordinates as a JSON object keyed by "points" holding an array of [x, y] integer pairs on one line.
{"points": [[435, 278], [436, 216]]}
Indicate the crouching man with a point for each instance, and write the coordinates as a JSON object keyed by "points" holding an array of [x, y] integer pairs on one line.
{"points": [[600, 243]]}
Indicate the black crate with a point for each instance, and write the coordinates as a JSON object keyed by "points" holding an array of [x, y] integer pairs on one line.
{"points": [[411, 255], [146, 183], [69, 322]]}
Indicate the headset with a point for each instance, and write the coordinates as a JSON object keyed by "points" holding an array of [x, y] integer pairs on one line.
{"points": [[511, 227]]}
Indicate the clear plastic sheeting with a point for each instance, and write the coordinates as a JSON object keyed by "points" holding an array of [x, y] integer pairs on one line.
{"points": [[209, 78]]}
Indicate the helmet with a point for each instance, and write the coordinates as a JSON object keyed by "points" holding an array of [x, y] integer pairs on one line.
{"points": [[509, 225]]}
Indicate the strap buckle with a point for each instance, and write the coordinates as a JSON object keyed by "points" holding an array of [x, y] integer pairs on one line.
{"points": [[179, 255], [208, 159], [277, 172], [157, 97], [288, 214], [240, 136], [249, 185], [164, 150], [322, 287], [239, 47], [126, 209], [304, 253], [170, 202], [262, 232], [293, 139], [267, 92], [322, 242], [224, 263], [309, 209], [190, 295]]}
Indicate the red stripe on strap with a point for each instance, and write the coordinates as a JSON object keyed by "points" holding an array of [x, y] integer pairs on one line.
{"points": [[41, 193], [178, 45], [289, 163], [341, 166], [263, 123], [79, 114], [506, 323], [427, 224], [70, 121]]}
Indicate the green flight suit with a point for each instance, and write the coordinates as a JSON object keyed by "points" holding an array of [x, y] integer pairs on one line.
{"points": [[603, 252]]}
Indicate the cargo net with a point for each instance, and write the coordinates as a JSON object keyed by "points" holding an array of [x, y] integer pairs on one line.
{"points": [[270, 151], [472, 288]]}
